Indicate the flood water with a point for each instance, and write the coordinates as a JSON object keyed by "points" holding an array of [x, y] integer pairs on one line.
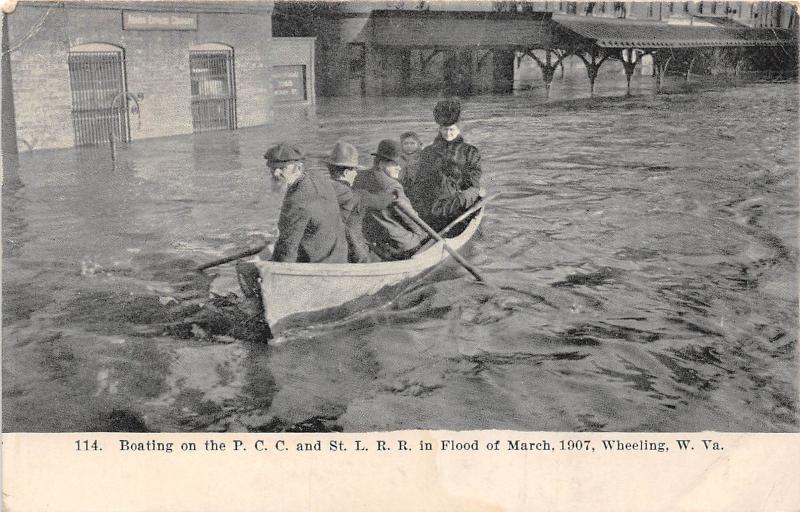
{"points": [[645, 252]]}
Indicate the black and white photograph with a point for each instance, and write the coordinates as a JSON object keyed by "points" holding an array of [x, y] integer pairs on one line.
{"points": [[259, 216]]}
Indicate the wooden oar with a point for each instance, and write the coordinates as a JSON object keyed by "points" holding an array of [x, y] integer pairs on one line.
{"points": [[227, 259], [413, 215], [474, 208]]}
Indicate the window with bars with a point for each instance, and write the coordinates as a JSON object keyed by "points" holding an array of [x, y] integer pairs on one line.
{"points": [[99, 105], [213, 90]]}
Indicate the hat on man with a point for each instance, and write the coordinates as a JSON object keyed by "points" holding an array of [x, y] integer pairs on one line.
{"points": [[282, 153], [389, 149], [344, 155], [447, 112]]}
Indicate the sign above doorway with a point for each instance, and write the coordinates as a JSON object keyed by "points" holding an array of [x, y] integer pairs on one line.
{"points": [[140, 20]]}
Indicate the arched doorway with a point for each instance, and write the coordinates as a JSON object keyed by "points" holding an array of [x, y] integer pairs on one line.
{"points": [[99, 102], [213, 87]]}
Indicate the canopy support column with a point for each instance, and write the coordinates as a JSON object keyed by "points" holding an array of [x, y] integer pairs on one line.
{"points": [[629, 57], [548, 66], [593, 59]]}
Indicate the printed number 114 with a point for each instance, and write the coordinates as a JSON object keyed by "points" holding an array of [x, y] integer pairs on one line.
{"points": [[85, 445]]}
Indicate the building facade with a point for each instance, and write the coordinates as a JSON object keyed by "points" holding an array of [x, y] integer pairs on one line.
{"points": [[752, 14], [85, 72], [756, 15], [412, 47], [391, 48]]}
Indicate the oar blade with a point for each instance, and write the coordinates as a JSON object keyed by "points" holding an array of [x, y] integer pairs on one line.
{"points": [[227, 259]]}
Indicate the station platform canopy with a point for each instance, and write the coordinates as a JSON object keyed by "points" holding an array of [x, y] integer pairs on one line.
{"points": [[536, 29], [456, 29], [617, 33]]}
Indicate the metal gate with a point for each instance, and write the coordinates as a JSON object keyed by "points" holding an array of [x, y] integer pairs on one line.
{"points": [[213, 90], [99, 105]]}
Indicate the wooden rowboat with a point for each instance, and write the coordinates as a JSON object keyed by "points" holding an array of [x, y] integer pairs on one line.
{"points": [[302, 294]]}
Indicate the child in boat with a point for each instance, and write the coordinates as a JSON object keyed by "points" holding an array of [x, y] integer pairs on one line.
{"points": [[412, 147]]}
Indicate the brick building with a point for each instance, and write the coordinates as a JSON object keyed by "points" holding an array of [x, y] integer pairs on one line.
{"points": [[87, 70]]}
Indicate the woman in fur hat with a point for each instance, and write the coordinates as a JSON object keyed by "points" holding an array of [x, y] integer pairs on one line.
{"points": [[449, 176]]}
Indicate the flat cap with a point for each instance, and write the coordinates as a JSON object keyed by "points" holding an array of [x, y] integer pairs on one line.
{"points": [[283, 153]]}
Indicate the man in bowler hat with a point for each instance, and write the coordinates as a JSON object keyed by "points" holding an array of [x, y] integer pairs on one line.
{"points": [[449, 176], [343, 166], [392, 234]]}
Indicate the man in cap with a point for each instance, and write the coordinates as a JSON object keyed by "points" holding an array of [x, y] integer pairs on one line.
{"points": [[343, 166], [310, 229], [450, 171], [390, 232]]}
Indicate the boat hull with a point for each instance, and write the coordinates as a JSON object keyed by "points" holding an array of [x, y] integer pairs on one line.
{"points": [[303, 294]]}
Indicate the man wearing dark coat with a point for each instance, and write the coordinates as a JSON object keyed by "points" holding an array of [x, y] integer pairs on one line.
{"points": [[310, 229], [343, 166], [392, 234], [449, 176]]}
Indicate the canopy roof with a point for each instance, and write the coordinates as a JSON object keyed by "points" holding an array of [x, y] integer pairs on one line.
{"points": [[615, 33]]}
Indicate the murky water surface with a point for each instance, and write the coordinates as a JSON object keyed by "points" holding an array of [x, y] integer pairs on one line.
{"points": [[646, 253]]}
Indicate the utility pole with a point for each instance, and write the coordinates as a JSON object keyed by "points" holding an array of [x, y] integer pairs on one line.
{"points": [[8, 131]]}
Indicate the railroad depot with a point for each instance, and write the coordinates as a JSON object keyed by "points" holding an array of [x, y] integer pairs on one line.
{"points": [[493, 47], [89, 72]]}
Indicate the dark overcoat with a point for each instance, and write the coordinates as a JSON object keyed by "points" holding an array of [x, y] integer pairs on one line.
{"points": [[352, 212], [387, 228], [410, 170], [310, 226], [448, 181]]}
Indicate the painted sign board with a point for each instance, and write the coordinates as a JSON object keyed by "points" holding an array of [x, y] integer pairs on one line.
{"points": [[141, 20], [289, 84]]}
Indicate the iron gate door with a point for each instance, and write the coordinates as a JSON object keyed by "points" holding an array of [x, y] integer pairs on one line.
{"points": [[96, 80], [213, 91]]}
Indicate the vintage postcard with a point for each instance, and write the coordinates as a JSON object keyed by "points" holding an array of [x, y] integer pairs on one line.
{"points": [[474, 248]]}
